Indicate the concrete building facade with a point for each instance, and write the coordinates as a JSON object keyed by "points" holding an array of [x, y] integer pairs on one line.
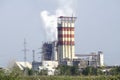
{"points": [[100, 58], [54, 51], [50, 66]]}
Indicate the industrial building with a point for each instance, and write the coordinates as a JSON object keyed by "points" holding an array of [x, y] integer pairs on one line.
{"points": [[35, 65], [50, 66], [92, 59], [66, 43], [46, 51], [49, 51], [54, 51], [23, 65], [100, 58], [63, 50]]}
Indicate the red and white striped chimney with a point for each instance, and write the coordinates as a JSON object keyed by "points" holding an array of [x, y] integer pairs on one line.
{"points": [[66, 41]]}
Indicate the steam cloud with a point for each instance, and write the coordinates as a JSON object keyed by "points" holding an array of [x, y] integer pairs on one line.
{"points": [[65, 8]]}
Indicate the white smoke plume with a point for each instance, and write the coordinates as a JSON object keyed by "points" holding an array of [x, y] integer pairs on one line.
{"points": [[65, 8]]}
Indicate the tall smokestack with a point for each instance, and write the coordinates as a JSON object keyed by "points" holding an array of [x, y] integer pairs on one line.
{"points": [[66, 43]]}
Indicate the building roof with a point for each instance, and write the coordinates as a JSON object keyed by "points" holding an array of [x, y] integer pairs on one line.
{"points": [[23, 65]]}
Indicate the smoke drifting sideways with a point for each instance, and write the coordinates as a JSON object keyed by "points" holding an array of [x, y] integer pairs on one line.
{"points": [[65, 8]]}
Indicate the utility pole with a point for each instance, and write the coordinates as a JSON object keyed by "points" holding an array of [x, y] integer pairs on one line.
{"points": [[33, 55], [25, 50], [25, 56]]}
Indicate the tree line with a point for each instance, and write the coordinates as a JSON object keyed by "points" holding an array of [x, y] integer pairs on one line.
{"points": [[62, 70], [75, 70]]}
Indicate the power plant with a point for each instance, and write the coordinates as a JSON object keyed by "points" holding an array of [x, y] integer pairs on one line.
{"points": [[62, 51]]}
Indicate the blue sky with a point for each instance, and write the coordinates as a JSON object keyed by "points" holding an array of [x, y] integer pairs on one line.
{"points": [[97, 27]]}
